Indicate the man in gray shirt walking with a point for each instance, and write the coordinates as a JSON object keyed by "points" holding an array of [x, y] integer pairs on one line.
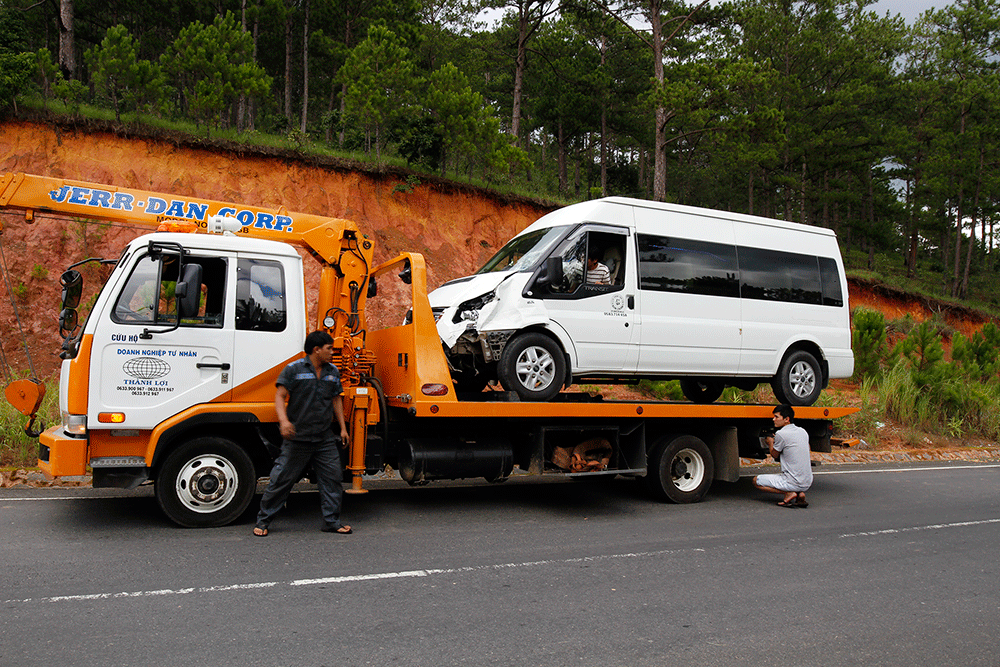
{"points": [[790, 444]]}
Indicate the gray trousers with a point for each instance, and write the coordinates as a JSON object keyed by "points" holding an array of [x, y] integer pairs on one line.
{"points": [[288, 469]]}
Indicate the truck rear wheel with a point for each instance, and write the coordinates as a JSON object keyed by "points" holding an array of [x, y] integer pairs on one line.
{"points": [[533, 367], [205, 482], [680, 469]]}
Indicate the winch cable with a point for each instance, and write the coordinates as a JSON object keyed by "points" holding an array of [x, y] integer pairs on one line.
{"points": [[17, 314]]}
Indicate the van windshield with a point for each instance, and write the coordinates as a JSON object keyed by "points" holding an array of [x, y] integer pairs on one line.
{"points": [[523, 253]]}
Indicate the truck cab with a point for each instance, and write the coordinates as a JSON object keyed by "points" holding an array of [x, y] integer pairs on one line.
{"points": [[183, 342]]}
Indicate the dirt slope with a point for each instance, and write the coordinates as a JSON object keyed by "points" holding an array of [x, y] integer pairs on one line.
{"points": [[456, 228]]}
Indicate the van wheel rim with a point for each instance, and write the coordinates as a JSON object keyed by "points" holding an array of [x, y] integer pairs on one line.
{"points": [[206, 483], [535, 368], [687, 470], [802, 379]]}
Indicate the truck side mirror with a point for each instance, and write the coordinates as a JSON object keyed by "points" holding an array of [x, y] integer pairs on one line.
{"points": [[72, 288], [188, 291], [68, 320]]}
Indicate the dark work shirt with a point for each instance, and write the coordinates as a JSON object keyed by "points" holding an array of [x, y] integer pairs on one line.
{"points": [[310, 400]]}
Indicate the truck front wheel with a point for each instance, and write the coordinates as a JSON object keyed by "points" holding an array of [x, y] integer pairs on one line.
{"points": [[680, 469], [533, 367], [205, 482]]}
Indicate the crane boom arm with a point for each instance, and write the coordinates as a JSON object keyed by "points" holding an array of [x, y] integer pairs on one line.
{"points": [[30, 193]]}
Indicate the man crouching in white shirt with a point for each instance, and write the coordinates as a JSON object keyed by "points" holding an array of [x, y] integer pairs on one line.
{"points": [[790, 445]]}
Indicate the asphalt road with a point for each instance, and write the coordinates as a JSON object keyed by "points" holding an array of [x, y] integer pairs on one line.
{"points": [[888, 566]]}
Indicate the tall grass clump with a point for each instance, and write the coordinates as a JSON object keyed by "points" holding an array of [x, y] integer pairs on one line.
{"points": [[923, 390]]}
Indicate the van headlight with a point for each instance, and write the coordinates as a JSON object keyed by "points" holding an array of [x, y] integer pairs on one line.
{"points": [[469, 310]]}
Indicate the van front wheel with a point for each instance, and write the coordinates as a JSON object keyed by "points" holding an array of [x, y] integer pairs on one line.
{"points": [[799, 380], [533, 367]]}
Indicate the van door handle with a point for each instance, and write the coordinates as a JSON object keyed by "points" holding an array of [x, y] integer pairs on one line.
{"points": [[631, 302], [223, 366]]}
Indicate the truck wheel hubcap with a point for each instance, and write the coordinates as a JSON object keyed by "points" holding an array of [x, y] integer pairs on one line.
{"points": [[687, 470], [206, 483]]}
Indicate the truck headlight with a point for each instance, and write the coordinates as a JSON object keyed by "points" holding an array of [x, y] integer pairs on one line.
{"points": [[74, 424], [469, 310]]}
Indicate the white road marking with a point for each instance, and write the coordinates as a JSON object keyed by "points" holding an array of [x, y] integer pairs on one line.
{"points": [[912, 529], [405, 574], [917, 469]]}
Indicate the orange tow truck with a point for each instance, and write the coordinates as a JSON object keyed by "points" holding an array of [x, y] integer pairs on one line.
{"points": [[170, 377]]}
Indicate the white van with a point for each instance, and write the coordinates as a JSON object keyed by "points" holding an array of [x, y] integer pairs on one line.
{"points": [[709, 297]]}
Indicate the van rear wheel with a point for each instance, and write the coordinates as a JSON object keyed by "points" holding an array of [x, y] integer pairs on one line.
{"points": [[702, 391], [533, 367], [799, 380]]}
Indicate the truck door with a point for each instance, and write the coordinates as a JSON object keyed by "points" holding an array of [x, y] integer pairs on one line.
{"points": [[593, 306], [150, 361]]}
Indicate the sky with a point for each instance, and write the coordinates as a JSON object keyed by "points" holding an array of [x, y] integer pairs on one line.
{"points": [[909, 9]]}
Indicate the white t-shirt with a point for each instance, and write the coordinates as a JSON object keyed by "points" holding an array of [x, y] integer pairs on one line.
{"points": [[599, 275], [792, 442]]}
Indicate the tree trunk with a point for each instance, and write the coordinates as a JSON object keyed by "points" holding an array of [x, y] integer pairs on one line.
{"points": [[305, 68], [520, 62], [67, 45], [563, 180], [288, 65], [660, 140]]}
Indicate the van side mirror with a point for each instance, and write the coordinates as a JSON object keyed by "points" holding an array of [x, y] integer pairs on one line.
{"points": [[553, 271], [188, 291]]}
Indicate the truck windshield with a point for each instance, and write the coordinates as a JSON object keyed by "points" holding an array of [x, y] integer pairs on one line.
{"points": [[523, 253]]}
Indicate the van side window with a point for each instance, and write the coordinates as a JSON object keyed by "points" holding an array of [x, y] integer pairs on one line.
{"points": [[593, 262], [260, 296], [773, 275], [669, 264], [148, 295], [830, 277]]}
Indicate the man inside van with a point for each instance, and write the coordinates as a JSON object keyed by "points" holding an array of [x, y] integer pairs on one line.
{"points": [[790, 445], [597, 273]]}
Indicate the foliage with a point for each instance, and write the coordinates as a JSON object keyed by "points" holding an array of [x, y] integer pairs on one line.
{"points": [[868, 342], [212, 66], [15, 71], [380, 83], [120, 76]]}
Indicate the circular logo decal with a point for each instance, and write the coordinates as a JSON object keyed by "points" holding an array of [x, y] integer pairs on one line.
{"points": [[617, 302], [146, 368]]}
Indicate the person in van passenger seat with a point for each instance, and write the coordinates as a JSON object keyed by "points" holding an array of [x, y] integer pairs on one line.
{"points": [[597, 273]]}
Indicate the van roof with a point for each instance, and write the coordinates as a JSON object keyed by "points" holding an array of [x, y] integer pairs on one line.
{"points": [[599, 209]]}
